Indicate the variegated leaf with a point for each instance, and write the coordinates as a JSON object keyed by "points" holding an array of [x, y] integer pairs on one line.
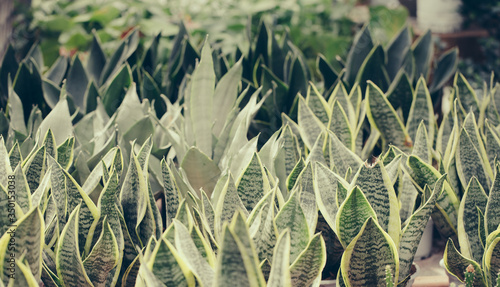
{"points": [[456, 264], [70, 267], [15, 155], [253, 183], [310, 263], [170, 192], [325, 187], [421, 111], [469, 162], [421, 146], [169, 267], [292, 178], [310, 126], [366, 258], [25, 277], [280, 268], [234, 264], [466, 95], [491, 214], [133, 198], [376, 185], [34, 167], [65, 153], [225, 96], [240, 229], [103, 258], [383, 117], [413, 230], [341, 157], [317, 104], [188, 250], [351, 216], [307, 196], [5, 167], [292, 217], [229, 203], [263, 228], [468, 222], [492, 261], [22, 192], [28, 242], [339, 125]]}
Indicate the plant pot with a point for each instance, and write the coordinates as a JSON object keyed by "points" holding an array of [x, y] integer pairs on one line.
{"points": [[425, 246], [451, 277]]}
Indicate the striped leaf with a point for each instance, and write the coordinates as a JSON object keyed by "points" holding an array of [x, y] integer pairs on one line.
{"points": [[133, 198], [492, 143], [103, 257], [229, 203], [292, 178], [456, 264], [22, 191], [310, 263], [446, 215], [263, 228], [351, 216], [491, 214], [230, 269], [240, 229], [59, 122], [466, 95], [253, 183], [421, 111], [339, 125], [194, 260], [414, 228], [469, 162], [310, 126], [65, 153], [316, 154], [341, 157], [15, 155], [468, 221], [70, 269], [492, 261], [201, 171], [384, 118], [290, 148], [292, 217], [170, 192], [75, 196], [421, 147], [201, 101], [377, 187], [169, 267], [365, 259], [5, 167], [317, 104], [307, 196], [28, 243], [280, 268], [325, 187], [34, 167]]}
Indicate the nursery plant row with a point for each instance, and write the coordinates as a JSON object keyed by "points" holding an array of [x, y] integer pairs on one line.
{"points": [[209, 169]]}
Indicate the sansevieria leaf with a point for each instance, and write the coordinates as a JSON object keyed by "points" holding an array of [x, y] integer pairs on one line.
{"points": [[376, 185], [491, 214], [201, 101], [308, 266], [310, 126], [70, 267], [103, 257], [253, 183], [456, 263], [28, 235], [188, 250], [468, 222], [169, 267], [492, 261], [413, 230], [292, 217], [421, 110], [325, 187], [280, 268], [351, 216], [383, 117], [366, 258]]}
